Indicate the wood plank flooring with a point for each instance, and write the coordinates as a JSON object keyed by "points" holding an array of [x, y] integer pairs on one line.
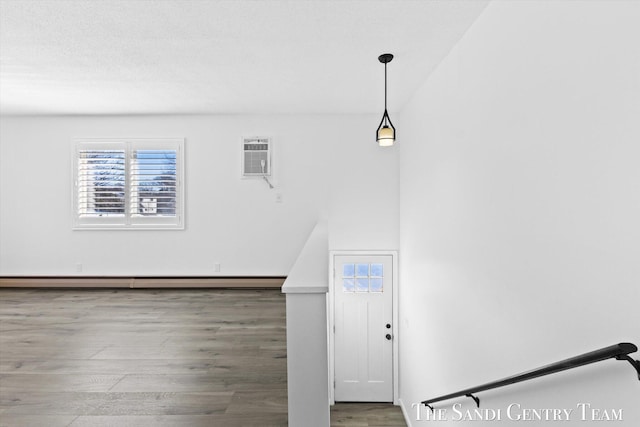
{"points": [[127, 357]]}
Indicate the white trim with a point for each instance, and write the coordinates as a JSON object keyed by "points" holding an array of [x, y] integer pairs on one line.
{"points": [[331, 313], [405, 412]]}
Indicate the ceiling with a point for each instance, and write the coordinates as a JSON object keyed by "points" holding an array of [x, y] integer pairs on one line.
{"points": [[220, 57]]}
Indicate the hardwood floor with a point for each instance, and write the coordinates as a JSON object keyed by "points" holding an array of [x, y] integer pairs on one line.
{"points": [[366, 414], [105, 357]]}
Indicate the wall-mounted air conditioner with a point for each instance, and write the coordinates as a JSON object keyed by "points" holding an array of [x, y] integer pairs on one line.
{"points": [[256, 157]]}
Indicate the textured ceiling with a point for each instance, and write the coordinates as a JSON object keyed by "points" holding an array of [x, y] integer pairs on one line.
{"points": [[224, 57]]}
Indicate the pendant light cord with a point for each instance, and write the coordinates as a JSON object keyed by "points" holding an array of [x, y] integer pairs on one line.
{"points": [[385, 86], [386, 121]]}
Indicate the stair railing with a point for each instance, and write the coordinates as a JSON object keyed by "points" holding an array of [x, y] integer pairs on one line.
{"points": [[618, 351]]}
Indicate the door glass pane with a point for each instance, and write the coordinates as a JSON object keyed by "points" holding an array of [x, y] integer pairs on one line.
{"points": [[376, 270], [348, 270], [362, 270], [375, 284], [362, 285], [348, 285]]}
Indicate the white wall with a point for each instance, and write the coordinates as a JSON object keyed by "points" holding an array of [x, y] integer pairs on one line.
{"points": [[230, 221], [520, 209]]}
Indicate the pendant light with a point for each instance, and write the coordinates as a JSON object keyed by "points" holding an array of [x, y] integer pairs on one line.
{"points": [[386, 133]]}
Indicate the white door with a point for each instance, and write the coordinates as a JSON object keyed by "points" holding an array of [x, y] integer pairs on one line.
{"points": [[363, 307]]}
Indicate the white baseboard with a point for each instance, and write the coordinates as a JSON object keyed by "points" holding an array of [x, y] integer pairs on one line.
{"points": [[141, 282], [405, 413]]}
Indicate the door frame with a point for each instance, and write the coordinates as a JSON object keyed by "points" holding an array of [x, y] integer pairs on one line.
{"points": [[331, 316]]}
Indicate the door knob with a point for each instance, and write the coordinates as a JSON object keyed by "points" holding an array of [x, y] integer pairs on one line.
{"points": [[388, 336]]}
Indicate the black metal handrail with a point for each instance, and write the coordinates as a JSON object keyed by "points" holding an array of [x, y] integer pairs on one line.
{"points": [[619, 351]]}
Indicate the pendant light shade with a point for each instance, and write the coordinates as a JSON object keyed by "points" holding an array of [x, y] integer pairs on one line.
{"points": [[386, 133]]}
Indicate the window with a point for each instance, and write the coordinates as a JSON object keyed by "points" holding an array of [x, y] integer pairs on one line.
{"points": [[129, 184], [362, 277]]}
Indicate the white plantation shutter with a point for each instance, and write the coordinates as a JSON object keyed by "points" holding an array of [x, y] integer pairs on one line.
{"points": [[129, 184], [155, 178], [101, 182]]}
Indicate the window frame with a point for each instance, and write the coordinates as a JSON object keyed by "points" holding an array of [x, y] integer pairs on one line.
{"points": [[129, 221]]}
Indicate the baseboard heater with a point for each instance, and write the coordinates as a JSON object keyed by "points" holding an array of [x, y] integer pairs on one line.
{"points": [[145, 282]]}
